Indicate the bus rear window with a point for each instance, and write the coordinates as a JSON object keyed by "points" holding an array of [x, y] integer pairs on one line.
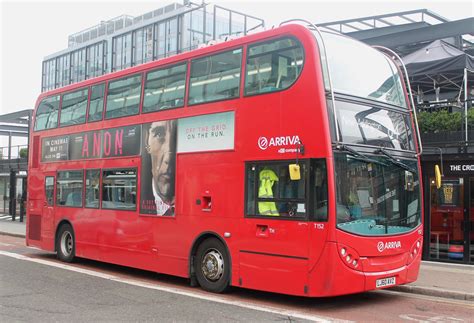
{"points": [[215, 77], [73, 108], [273, 66], [47, 113], [123, 97], [164, 88]]}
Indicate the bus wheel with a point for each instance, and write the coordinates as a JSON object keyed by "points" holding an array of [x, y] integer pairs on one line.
{"points": [[212, 266], [65, 244]]}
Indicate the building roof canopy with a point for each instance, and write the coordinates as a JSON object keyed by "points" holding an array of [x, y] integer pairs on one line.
{"points": [[436, 58]]}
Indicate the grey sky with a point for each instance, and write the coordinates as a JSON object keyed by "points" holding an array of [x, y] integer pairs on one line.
{"points": [[31, 30]]}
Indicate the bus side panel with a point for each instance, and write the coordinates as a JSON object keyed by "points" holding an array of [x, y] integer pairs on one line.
{"points": [[273, 273], [330, 277], [207, 202]]}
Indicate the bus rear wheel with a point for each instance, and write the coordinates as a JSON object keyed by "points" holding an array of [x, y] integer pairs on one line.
{"points": [[65, 243], [212, 266]]}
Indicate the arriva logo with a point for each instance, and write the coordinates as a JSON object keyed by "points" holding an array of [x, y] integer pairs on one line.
{"points": [[264, 142], [388, 245]]}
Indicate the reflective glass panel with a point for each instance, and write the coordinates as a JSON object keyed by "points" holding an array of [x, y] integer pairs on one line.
{"points": [[273, 66], [96, 104], [123, 97], [164, 88], [215, 77], [69, 188], [376, 197], [73, 107], [47, 113], [119, 189]]}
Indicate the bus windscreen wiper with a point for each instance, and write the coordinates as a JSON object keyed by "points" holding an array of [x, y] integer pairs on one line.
{"points": [[395, 161], [360, 156]]}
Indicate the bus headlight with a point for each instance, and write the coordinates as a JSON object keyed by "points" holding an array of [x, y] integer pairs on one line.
{"points": [[415, 250], [349, 257]]}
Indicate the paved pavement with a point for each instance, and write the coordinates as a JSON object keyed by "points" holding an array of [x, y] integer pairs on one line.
{"points": [[12, 228], [446, 280]]}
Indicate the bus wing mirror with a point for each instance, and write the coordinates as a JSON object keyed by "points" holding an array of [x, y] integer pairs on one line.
{"points": [[437, 177], [295, 173]]}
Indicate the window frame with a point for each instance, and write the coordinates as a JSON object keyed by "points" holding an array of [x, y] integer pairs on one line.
{"points": [[306, 199], [85, 188], [105, 83], [88, 88], [102, 183], [242, 58], [187, 73], [56, 186], [249, 45], [54, 190], [309, 201], [58, 111], [104, 114]]}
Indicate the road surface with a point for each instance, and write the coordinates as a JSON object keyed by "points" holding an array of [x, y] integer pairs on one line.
{"points": [[35, 286]]}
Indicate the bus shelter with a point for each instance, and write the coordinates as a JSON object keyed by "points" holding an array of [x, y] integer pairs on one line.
{"points": [[14, 134]]}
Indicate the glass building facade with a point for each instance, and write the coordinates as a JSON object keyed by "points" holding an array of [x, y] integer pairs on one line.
{"points": [[129, 41]]}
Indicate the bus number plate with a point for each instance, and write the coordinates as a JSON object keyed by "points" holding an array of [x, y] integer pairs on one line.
{"points": [[385, 282]]}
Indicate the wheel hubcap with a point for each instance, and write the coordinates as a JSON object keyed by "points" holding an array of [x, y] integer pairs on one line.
{"points": [[212, 265], [66, 243]]}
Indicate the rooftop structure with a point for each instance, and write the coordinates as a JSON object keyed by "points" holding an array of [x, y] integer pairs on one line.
{"points": [[396, 30], [127, 41]]}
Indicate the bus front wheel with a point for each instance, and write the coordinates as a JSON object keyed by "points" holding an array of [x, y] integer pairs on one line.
{"points": [[65, 243], [212, 266]]}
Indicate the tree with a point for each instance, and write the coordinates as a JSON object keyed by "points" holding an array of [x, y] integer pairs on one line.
{"points": [[441, 120], [23, 153]]}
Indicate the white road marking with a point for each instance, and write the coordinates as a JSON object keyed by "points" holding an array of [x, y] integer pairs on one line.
{"points": [[428, 319], [6, 244], [211, 298], [428, 297]]}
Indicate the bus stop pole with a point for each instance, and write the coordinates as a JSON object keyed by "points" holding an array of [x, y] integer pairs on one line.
{"points": [[465, 104], [23, 199], [12, 204]]}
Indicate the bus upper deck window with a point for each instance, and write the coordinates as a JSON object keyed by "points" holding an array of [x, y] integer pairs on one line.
{"points": [[123, 97], [73, 108], [47, 113], [215, 77], [96, 104], [273, 65], [164, 88]]}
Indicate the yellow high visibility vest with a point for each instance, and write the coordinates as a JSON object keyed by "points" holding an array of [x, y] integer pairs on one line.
{"points": [[267, 179]]}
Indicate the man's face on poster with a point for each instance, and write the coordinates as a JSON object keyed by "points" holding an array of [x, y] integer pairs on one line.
{"points": [[162, 148]]}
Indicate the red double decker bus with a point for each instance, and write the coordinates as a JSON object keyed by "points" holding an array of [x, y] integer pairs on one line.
{"points": [[283, 161]]}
